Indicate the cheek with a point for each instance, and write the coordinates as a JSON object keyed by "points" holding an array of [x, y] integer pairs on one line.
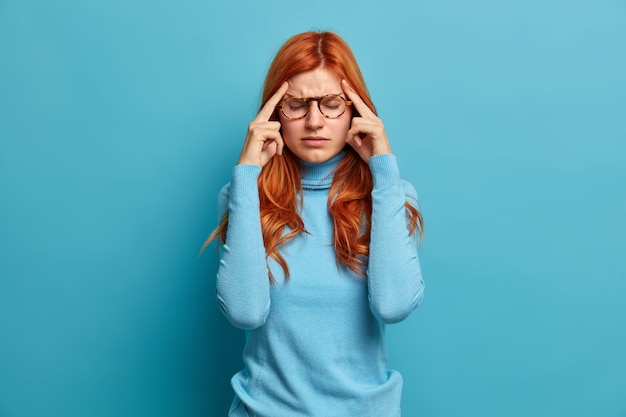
{"points": [[289, 129], [341, 126], [346, 121]]}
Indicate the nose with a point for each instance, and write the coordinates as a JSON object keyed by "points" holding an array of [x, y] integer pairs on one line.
{"points": [[314, 118]]}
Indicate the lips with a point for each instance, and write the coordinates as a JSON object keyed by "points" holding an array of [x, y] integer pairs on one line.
{"points": [[314, 140]]}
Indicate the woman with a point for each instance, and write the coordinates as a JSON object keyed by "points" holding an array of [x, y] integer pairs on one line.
{"points": [[319, 243]]}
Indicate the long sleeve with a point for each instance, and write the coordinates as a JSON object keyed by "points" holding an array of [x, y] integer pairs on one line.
{"points": [[320, 350], [395, 282], [243, 292]]}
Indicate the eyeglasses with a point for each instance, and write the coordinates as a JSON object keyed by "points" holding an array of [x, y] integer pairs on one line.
{"points": [[331, 106]]}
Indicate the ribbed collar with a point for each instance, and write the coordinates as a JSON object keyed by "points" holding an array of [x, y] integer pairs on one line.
{"points": [[319, 176]]}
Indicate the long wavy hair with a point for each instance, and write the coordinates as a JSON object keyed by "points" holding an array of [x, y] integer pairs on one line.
{"points": [[349, 200]]}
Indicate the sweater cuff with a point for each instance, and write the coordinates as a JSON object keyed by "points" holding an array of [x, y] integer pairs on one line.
{"points": [[385, 171], [244, 180]]}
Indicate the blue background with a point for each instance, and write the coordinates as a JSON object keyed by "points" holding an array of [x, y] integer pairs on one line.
{"points": [[120, 121]]}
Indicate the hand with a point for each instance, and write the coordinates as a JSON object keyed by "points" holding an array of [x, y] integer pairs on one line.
{"points": [[263, 139], [367, 134]]}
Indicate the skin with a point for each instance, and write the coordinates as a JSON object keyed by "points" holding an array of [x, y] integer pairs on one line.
{"points": [[314, 138]]}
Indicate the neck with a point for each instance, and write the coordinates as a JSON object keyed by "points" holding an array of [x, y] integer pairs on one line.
{"points": [[319, 176]]}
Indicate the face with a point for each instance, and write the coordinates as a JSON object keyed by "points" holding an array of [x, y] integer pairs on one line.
{"points": [[315, 138]]}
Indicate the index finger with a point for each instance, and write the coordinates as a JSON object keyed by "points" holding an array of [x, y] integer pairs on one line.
{"points": [[268, 109], [359, 104]]}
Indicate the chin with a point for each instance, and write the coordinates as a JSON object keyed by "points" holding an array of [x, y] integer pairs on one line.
{"points": [[316, 158]]}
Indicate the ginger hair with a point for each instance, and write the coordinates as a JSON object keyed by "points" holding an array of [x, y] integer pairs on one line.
{"points": [[349, 200]]}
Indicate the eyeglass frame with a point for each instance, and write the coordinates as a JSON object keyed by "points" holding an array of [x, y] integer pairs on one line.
{"points": [[307, 100]]}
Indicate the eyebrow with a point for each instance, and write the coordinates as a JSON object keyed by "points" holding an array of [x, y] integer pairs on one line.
{"points": [[287, 95]]}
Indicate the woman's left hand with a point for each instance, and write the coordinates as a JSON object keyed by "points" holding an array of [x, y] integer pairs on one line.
{"points": [[367, 134]]}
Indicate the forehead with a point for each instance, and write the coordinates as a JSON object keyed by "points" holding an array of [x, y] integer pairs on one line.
{"points": [[314, 83]]}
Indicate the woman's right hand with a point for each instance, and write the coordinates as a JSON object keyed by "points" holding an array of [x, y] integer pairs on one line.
{"points": [[263, 139]]}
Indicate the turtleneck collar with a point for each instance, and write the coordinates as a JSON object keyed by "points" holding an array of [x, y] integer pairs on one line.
{"points": [[319, 176]]}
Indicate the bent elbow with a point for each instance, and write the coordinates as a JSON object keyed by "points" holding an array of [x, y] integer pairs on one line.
{"points": [[245, 317], [390, 312], [247, 323], [393, 314]]}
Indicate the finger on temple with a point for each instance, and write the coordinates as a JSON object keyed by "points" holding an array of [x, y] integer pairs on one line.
{"points": [[268, 109], [358, 102]]}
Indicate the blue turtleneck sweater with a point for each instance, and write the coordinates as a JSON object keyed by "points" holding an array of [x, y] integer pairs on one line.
{"points": [[314, 344]]}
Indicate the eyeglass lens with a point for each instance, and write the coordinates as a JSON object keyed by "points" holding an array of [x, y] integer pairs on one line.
{"points": [[330, 106]]}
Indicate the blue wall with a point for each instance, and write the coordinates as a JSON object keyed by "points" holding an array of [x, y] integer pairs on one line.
{"points": [[120, 121]]}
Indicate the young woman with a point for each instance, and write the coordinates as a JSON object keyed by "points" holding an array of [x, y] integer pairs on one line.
{"points": [[319, 243]]}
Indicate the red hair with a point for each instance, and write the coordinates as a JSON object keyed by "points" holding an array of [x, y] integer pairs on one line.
{"points": [[349, 200]]}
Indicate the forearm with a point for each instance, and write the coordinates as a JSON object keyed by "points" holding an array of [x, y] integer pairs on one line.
{"points": [[394, 275], [242, 279]]}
